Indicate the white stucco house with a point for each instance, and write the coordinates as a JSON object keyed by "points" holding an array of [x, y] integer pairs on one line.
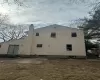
{"points": [[50, 40]]}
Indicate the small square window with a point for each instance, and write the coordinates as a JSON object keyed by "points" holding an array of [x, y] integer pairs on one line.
{"points": [[69, 47], [74, 34], [37, 34], [39, 45], [53, 35]]}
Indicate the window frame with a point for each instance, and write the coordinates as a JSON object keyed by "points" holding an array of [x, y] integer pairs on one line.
{"points": [[37, 34], [39, 45], [53, 34], [73, 34], [69, 47]]}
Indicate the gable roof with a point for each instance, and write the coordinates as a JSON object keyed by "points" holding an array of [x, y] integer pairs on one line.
{"points": [[56, 25]]}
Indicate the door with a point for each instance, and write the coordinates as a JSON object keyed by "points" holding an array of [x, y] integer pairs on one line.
{"points": [[10, 49], [13, 49], [16, 48]]}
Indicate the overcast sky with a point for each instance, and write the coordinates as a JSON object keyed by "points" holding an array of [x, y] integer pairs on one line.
{"points": [[43, 12]]}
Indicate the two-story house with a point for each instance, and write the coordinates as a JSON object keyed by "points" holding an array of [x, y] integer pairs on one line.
{"points": [[50, 40]]}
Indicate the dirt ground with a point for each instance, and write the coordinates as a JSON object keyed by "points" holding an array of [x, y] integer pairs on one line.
{"points": [[43, 69]]}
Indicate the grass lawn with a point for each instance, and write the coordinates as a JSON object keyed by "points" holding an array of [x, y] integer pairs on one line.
{"points": [[51, 70]]}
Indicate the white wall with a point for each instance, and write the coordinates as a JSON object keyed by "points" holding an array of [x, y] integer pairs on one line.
{"points": [[57, 46], [5, 45], [51, 46]]}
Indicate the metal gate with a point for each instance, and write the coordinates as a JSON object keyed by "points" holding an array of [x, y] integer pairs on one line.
{"points": [[13, 49]]}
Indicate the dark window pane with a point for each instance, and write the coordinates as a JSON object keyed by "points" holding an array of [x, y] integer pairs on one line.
{"points": [[74, 34], [37, 34], [53, 35], [39, 45], [69, 47]]}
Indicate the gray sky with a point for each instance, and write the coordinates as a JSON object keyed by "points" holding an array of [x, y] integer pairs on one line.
{"points": [[43, 12]]}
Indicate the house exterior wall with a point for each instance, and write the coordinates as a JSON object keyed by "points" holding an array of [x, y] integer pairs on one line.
{"points": [[5, 45], [57, 46], [51, 46]]}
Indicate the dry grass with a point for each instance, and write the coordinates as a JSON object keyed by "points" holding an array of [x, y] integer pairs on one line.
{"points": [[51, 70]]}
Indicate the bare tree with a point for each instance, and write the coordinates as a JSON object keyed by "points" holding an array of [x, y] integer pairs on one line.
{"points": [[10, 32], [4, 19], [16, 2]]}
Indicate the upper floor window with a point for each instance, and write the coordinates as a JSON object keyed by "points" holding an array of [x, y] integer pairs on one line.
{"points": [[74, 34], [53, 35], [37, 34]]}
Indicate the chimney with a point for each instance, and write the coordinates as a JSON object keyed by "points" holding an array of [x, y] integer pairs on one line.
{"points": [[31, 27], [30, 38], [28, 45]]}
